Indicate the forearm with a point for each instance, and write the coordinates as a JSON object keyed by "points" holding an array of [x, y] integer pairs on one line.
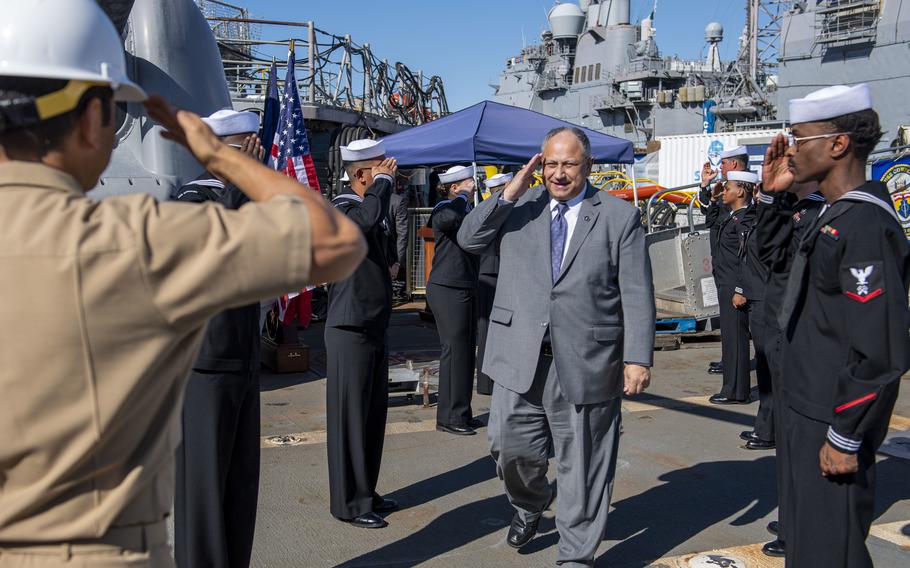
{"points": [[337, 245]]}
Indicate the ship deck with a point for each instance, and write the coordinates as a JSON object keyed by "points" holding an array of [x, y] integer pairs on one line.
{"points": [[684, 484]]}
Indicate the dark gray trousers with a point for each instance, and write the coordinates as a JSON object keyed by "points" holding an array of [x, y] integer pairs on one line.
{"points": [[456, 323], [760, 330], [357, 403], [585, 439], [734, 343], [217, 471]]}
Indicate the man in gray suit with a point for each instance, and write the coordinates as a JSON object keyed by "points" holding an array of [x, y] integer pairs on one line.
{"points": [[572, 328]]}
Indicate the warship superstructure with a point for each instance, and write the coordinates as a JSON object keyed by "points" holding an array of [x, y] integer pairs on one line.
{"points": [[596, 68]]}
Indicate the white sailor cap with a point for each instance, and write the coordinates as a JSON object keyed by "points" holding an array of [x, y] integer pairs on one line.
{"points": [[733, 152], [456, 173], [360, 150], [748, 177], [227, 122], [497, 180], [830, 102]]}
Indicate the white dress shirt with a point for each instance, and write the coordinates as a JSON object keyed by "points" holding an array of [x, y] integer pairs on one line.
{"points": [[571, 217]]}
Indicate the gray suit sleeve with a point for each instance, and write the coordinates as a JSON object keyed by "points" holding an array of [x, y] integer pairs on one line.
{"points": [[637, 294], [481, 226]]}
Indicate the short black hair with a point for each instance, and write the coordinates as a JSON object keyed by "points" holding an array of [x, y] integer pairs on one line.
{"points": [[864, 130], [23, 135]]}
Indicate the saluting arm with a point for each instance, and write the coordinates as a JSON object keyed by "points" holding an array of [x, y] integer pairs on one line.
{"points": [[480, 228], [371, 211], [337, 245]]}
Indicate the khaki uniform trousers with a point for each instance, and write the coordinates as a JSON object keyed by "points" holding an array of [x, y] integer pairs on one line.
{"points": [[142, 546]]}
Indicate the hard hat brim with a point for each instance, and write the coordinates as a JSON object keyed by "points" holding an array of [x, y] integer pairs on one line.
{"points": [[129, 92]]}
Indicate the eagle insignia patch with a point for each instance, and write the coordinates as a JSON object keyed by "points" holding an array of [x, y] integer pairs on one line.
{"points": [[862, 281]]}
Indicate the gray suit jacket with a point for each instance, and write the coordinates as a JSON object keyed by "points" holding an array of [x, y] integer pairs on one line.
{"points": [[600, 311]]}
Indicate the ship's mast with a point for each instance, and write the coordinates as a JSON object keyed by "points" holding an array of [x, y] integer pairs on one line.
{"points": [[749, 81]]}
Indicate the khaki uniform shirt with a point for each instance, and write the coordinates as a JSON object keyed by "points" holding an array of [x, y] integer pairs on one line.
{"points": [[102, 308]]}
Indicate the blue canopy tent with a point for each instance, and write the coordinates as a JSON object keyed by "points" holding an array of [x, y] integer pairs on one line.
{"points": [[491, 133]]}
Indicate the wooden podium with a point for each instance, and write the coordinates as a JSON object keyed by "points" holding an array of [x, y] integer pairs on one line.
{"points": [[429, 249]]}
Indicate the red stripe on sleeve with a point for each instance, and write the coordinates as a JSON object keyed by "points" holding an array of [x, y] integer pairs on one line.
{"points": [[856, 402]]}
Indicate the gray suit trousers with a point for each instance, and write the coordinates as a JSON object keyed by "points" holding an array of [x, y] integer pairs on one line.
{"points": [[584, 437]]}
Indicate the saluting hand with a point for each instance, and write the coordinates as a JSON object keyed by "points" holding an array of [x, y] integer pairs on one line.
{"points": [[707, 174], [637, 378], [522, 180], [253, 147], [776, 174], [185, 128], [388, 166], [835, 462]]}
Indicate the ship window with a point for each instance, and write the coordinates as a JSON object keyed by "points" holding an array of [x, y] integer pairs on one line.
{"points": [[590, 72], [597, 72], [577, 73]]}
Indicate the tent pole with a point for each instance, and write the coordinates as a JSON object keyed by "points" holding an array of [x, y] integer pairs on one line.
{"points": [[477, 189], [631, 169]]}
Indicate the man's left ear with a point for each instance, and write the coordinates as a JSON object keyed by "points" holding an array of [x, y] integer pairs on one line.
{"points": [[841, 145]]}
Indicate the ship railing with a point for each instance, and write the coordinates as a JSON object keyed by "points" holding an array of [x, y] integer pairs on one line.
{"points": [[681, 189], [335, 70]]}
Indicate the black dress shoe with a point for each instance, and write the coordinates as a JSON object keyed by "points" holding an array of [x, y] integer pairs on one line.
{"points": [[521, 533], [721, 399], [774, 548], [475, 423], [383, 505], [715, 364], [368, 521], [773, 527], [748, 435], [457, 429], [760, 445], [716, 371]]}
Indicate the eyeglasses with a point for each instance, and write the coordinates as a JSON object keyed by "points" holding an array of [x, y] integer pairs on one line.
{"points": [[795, 140]]}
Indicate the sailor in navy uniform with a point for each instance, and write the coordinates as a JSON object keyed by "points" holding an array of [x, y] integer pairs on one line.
{"points": [[755, 280], [730, 280], [218, 461], [712, 206], [783, 217], [452, 296], [488, 273], [845, 318], [357, 358]]}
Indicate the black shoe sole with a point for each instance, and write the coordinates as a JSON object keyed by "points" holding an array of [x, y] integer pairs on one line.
{"points": [[455, 432], [759, 448]]}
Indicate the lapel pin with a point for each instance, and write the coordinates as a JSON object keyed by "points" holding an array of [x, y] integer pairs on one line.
{"points": [[587, 217]]}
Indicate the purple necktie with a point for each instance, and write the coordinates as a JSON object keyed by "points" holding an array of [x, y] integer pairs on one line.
{"points": [[558, 230]]}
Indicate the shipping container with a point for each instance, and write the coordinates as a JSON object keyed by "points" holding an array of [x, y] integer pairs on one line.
{"points": [[681, 157]]}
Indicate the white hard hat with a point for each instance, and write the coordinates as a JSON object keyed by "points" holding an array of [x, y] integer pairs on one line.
{"points": [[72, 40]]}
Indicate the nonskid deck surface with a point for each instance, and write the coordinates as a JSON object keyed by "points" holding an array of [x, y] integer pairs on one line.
{"points": [[684, 487]]}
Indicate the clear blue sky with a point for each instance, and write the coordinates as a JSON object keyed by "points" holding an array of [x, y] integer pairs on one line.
{"points": [[468, 42]]}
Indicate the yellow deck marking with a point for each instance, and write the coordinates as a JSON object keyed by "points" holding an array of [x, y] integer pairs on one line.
{"points": [[893, 532], [753, 557], [750, 554], [899, 423]]}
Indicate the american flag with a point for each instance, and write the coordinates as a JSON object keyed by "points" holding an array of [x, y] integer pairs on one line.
{"points": [[291, 148], [290, 154]]}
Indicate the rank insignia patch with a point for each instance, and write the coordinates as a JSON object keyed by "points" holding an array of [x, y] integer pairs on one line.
{"points": [[862, 281], [830, 231]]}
